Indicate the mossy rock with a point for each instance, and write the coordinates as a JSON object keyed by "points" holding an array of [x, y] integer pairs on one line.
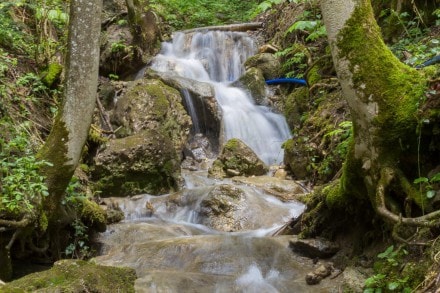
{"points": [[253, 81], [150, 104], [269, 65], [75, 276], [141, 163], [237, 159]]}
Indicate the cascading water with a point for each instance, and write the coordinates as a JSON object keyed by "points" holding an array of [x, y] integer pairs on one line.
{"points": [[213, 236], [217, 58]]}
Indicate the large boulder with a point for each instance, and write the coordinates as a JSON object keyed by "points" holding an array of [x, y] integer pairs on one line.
{"points": [[200, 101], [142, 163], [150, 104], [237, 159], [253, 81], [269, 65]]}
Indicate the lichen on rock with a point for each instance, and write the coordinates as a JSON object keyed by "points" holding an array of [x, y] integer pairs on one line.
{"points": [[237, 159]]}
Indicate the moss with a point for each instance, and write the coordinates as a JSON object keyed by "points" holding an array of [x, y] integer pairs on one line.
{"points": [[59, 174], [75, 276], [52, 74], [232, 144], [377, 74], [92, 214], [43, 222], [295, 106], [334, 195]]}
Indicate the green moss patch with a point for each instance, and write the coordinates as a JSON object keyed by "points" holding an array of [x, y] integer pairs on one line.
{"points": [[75, 276]]}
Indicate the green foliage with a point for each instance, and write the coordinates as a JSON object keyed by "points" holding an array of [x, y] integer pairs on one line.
{"points": [[386, 279], [264, 6], [427, 184], [182, 14], [314, 28], [79, 248], [294, 61], [415, 40], [21, 184]]}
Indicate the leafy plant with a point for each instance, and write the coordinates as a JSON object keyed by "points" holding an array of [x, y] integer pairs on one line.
{"points": [[314, 28], [21, 183], [427, 184], [79, 248], [386, 281]]}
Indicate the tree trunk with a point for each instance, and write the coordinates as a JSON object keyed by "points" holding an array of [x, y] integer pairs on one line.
{"points": [[382, 94], [65, 143]]}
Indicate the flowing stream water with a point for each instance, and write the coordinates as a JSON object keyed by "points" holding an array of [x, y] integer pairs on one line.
{"points": [[214, 235]]}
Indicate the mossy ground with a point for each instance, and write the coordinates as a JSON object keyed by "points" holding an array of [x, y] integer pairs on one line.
{"points": [[75, 276]]}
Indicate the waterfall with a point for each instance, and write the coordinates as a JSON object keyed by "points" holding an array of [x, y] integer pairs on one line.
{"points": [[217, 58]]}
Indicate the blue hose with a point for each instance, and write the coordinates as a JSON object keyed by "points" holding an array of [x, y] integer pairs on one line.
{"points": [[286, 80], [432, 61]]}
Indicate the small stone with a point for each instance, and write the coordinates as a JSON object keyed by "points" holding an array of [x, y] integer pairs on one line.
{"points": [[313, 279], [323, 271]]}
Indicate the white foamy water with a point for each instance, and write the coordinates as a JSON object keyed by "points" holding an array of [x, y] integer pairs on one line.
{"points": [[217, 58]]}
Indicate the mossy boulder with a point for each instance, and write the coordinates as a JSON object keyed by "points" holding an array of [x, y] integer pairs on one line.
{"points": [[142, 163], [269, 65], [150, 104], [237, 159], [75, 276], [253, 81]]}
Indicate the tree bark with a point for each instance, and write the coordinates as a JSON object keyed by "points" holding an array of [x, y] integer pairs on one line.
{"points": [[382, 94], [64, 145]]}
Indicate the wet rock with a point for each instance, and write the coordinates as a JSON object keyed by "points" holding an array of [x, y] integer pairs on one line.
{"points": [[312, 279], [237, 159], [221, 208], [253, 81], [205, 105], [150, 104], [141, 163], [314, 248], [283, 189], [267, 63], [196, 153], [320, 273]]}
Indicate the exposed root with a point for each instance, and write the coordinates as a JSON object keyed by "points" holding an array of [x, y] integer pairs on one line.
{"points": [[387, 175], [8, 224]]}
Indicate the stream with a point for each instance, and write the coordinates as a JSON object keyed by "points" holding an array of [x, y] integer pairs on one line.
{"points": [[213, 235]]}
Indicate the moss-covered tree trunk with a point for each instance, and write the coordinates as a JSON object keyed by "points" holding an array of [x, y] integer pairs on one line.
{"points": [[383, 95], [64, 145]]}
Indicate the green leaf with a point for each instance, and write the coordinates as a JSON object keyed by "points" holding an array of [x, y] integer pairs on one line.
{"points": [[386, 253], [430, 194], [421, 180], [393, 286], [435, 178]]}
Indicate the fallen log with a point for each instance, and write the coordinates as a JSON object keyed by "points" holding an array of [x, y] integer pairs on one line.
{"points": [[239, 27]]}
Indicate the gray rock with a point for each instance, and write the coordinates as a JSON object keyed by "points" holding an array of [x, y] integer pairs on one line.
{"points": [[314, 248], [253, 81], [237, 159], [267, 63], [141, 163], [150, 104]]}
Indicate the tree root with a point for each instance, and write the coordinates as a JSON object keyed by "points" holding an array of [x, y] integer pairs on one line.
{"points": [[387, 175], [8, 225]]}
